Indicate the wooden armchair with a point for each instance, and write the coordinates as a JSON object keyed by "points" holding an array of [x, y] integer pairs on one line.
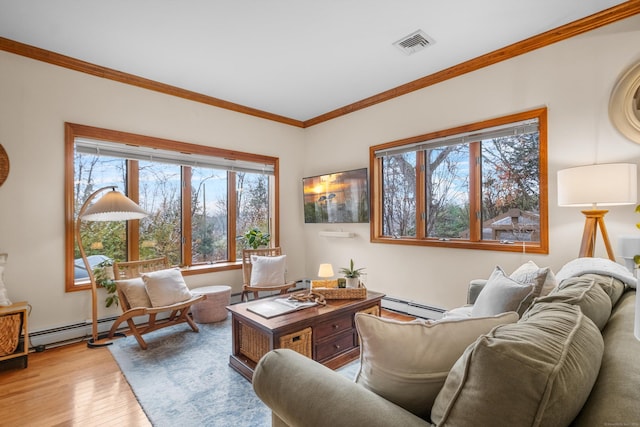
{"points": [[178, 312], [246, 274]]}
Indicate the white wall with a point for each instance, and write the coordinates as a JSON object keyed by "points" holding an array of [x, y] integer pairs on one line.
{"points": [[573, 79], [36, 99]]}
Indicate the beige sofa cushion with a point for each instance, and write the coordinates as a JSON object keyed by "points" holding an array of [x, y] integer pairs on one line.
{"points": [[502, 294], [407, 362], [586, 293], [538, 372]]}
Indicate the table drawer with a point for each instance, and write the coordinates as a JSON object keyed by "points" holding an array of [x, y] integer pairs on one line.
{"points": [[333, 327], [336, 346]]}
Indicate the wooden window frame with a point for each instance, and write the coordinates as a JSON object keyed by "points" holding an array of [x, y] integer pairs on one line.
{"points": [[73, 131], [375, 166]]}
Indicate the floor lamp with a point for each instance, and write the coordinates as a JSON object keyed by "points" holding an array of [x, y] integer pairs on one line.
{"points": [[113, 206], [597, 185]]}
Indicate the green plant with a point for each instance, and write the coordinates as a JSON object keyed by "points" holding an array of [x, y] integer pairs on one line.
{"points": [[254, 238], [103, 275], [351, 272]]}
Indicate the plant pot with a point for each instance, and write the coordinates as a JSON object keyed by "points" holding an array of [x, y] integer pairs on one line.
{"points": [[353, 282]]}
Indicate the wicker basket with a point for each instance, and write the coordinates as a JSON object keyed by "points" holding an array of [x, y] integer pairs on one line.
{"points": [[253, 344], [9, 333], [299, 341], [342, 293]]}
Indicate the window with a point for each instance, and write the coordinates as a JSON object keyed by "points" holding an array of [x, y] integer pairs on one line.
{"points": [[480, 186], [199, 199]]}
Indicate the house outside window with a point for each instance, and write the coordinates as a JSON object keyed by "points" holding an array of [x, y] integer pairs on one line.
{"points": [[480, 186], [199, 199]]}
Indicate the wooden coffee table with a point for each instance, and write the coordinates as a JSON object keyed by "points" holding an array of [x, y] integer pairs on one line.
{"points": [[327, 334]]}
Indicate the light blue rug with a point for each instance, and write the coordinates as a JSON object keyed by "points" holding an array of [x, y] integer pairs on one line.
{"points": [[183, 378]]}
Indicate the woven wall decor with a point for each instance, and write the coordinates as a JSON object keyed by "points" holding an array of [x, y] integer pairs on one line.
{"points": [[4, 165]]}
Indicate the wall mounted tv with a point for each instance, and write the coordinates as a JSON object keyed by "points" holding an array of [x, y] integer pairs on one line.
{"points": [[338, 197]]}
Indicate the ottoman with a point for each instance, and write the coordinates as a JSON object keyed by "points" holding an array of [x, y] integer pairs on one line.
{"points": [[212, 309]]}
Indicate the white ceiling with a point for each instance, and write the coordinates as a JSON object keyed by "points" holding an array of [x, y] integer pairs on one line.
{"points": [[295, 58]]}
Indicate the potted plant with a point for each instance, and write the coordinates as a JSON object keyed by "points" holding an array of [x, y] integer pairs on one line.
{"points": [[255, 238], [352, 275], [103, 275]]}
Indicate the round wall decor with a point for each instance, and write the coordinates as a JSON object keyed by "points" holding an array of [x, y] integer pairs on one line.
{"points": [[624, 104], [4, 165]]}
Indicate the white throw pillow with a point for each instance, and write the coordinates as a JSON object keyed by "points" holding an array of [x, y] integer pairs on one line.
{"points": [[166, 287], [543, 278], [408, 362], [4, 296], [268, 270], [135, 292], [502, 294]]}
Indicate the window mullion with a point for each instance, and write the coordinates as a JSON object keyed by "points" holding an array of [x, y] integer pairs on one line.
{"points": [[475, 192], [421, 195], [232, 215], [133, 227], [187, 226]]}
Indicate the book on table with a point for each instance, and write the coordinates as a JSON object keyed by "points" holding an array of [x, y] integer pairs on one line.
{"points": [[278, 306]]}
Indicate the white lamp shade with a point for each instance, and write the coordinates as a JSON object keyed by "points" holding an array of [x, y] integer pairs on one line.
{"points": [[604, 185], [113, 206], [325, 270]]}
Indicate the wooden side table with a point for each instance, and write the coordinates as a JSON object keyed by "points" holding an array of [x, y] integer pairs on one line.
{"points": [[20, 309]]}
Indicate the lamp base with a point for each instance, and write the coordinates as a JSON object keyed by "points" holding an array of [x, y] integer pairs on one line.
{"points": [[594, 218], [103, 340]]}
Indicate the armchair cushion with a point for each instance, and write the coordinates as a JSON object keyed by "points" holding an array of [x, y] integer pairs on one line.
{"points": [[502, 294], [408, 362], [268, 270], [135, 292], [166, 287]]}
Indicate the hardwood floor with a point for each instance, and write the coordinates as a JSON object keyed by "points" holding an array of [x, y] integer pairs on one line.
{"points": [[70, 385], [73, 385]]}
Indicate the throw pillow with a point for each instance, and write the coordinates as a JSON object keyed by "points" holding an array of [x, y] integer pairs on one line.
{"points": [[537, 372], [4, 296], [502, 294], [134, 291], [166, 287], [543, 278], [586, 293], [408, 362], [267, 270]]}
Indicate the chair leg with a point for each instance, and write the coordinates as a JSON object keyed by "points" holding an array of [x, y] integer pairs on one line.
{"points": [[136, 334]]}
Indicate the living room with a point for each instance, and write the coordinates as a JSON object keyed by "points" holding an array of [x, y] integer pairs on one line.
{"points": [[572, 78]]}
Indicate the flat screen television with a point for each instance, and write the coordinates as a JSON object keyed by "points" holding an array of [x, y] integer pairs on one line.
{"points": [[339, 197]]}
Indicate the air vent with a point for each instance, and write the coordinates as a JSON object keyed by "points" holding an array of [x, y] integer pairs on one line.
{"points": [[414, 42]]}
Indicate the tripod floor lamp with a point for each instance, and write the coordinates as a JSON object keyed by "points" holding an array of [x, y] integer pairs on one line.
{"points": [[597, 185], [113, 206]]}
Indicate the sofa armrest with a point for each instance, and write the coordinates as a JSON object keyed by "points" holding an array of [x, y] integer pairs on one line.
{"points": [[301, 392], [475, 286]]}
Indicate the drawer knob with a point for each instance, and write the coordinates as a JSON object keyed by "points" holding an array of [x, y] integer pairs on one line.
{"points": [[337, 346], [336, 326]]}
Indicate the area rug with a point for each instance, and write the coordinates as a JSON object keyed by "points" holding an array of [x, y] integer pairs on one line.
{"points": [[184, 379]]}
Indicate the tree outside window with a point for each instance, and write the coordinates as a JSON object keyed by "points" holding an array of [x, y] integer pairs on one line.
{"points": [[479, 186]]}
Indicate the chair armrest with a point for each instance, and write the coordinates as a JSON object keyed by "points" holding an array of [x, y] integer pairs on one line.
{"points": [[302, 392], [475, 286]]}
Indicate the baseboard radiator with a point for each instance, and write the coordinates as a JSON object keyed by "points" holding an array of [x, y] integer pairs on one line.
{"points": [[54, 337], [80, 331], [412, 308]]}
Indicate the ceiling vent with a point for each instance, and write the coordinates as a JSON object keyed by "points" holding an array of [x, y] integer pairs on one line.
{"points": [[414, 42]]}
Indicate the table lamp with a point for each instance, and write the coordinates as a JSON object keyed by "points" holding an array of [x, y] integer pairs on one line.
{"points": [[597, 185], [113, 206]]}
